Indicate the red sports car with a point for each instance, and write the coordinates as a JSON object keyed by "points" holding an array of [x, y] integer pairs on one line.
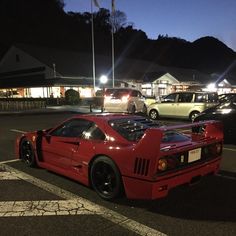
{"points": [[118, 153]]}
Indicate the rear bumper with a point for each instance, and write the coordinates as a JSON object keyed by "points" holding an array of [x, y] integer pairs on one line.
{"points": [[143, 189], [120, 107]]}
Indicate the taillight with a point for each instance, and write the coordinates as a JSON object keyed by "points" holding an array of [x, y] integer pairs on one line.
{"points": [[107, 98], [162, 164], [218, 148], [125, 98], [169, 162]]}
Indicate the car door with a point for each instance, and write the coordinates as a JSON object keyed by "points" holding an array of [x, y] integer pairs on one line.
{"points": [[168, 106], [59, 145], [184, 104], [91, 142]]}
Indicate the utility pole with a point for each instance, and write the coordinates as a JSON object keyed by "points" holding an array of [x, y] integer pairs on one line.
{"points": [[112, 42], [93, 48]]}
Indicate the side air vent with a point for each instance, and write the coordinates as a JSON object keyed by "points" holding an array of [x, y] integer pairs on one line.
{"points": [[141, 166]]}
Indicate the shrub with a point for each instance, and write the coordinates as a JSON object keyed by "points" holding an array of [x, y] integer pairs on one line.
{"points": [[72, 97]]}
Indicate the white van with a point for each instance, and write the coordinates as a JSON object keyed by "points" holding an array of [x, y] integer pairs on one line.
{"points": [[185, 105]]}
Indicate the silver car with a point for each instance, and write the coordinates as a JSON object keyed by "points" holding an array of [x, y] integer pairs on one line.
{"points": [[124, 100], [185, 105]]}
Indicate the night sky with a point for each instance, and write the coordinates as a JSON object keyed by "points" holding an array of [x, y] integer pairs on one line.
{"points": [[186, 19]]}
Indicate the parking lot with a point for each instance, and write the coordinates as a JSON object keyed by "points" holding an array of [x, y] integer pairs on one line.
{"points": [[36, 201]]}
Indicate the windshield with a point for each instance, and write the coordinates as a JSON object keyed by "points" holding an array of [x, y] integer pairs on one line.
{"points": [[117, 93], [229, 103], [133, 129]]}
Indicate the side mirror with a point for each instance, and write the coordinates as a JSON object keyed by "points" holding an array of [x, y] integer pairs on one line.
{"points": [[43, 133]]}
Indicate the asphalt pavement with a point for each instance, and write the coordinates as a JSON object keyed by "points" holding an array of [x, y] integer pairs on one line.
{"points": [[50, 204], [53, 110], [228, 165]]}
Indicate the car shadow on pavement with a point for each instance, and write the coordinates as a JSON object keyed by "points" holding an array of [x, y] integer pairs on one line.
{"points": [[211, 200]]}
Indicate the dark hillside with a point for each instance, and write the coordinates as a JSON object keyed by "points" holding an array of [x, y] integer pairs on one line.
{"points": [[44, 22]]}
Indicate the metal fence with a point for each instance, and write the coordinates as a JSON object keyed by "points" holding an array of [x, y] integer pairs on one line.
{"points": [[21, 104]]}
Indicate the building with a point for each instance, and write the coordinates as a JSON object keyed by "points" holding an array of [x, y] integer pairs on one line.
{"points": [[36, 71]]}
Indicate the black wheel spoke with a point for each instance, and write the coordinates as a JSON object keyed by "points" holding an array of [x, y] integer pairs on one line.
{"points": [[26, 153], [105, 179]]}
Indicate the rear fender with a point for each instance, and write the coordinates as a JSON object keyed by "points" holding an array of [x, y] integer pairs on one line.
{"points": [[149, 144], [214, 129]]}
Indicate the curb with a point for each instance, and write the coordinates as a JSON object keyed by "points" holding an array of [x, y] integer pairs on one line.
{"points": [[51, 110]]}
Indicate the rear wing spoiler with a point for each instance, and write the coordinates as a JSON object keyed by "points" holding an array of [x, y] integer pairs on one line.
{"points": [[210, 128], [151, 141]]}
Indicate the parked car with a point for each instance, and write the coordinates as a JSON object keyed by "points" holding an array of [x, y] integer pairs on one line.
{"points": [[226, 113], [225, 97], [124, 100], [150, 100], [116, 153], [185, 105]]}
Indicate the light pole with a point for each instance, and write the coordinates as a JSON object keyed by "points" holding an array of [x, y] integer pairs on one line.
{"points": [[103, 81]]}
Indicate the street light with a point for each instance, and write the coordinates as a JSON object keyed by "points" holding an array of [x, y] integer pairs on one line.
{"points": [[211, 87], [103, 81]]}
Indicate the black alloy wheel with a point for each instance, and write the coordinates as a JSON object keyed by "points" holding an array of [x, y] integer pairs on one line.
{"points": [[144, 110], [131, 109], [105, 178], [27, 153], [193, 115], [153, 114]]}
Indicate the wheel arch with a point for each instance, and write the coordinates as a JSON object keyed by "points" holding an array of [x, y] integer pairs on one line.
{"points": [[19, 145], [131, 104], [96, 157], [23, 138], [156, 110], [192, 112], [123, 190]]}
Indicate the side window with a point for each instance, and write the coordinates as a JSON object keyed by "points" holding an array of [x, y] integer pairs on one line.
{"points": [[170, 98], [200, 97], [212, 97], [72, 128], [185, 97], [94, 133], [139, 94], [134, 93]]}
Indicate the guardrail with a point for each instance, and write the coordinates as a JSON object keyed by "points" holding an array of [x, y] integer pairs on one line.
{"points": [[21, 104]]}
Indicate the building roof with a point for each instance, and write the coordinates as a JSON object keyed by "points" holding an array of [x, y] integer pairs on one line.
{"points": [[73, 64]]}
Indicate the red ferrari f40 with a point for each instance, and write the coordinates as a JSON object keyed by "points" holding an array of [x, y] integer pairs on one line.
{"points": [[130, 154]]}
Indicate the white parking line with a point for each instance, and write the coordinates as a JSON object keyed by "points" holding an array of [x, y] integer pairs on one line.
{"points": [[7, 176], [230, 149], [9, 161], [226, 177], [91, 207], [42, 208], [18, 131]]}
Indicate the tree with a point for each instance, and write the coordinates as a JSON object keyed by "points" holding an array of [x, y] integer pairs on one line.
{"points": [[119, 20], [72, 97]]}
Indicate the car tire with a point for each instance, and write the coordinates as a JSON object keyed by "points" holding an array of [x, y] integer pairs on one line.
{"points": [[105, 178], [153, 114], [144, 110], [27, 154], [131, 109], [193, 114]]}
